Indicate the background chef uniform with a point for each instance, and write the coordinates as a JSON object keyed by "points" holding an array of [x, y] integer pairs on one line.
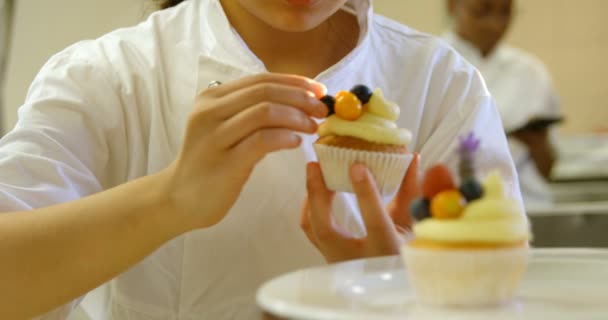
{"points": [[526, 99], [110, 110]]}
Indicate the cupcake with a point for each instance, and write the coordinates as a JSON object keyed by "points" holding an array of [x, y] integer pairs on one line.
{"points": [[361, 128], [470, 245]]}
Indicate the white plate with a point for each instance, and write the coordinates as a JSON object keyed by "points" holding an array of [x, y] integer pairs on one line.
{"points": [[559, 284]]}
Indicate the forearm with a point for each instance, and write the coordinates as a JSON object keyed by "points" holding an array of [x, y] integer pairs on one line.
{"points": [[540, 148], [544, 161], [53, 255]]}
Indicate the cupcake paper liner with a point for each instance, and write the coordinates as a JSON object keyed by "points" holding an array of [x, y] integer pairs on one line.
{"points": [[388, 169], [465, 278]]}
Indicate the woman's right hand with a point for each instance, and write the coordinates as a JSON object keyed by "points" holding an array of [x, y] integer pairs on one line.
{"points": [[232, 127], [386, 228]]}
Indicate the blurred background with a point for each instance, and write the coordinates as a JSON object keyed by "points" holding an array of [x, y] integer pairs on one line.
{"points": [[569, 37]]}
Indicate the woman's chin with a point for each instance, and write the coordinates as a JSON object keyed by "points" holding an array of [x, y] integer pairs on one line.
{"points": [[293, 15], [297, 21]]}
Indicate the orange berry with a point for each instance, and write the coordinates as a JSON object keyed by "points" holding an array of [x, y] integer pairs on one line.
{"points": [[342, 94], [447, 205], [348, 106], [437, 179]]}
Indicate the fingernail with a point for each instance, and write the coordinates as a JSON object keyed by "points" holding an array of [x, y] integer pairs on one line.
{"points": [[358, 173], [322, 112], [323, 89], [320, 109], [296, 139], [319, 85], [313, 126]]}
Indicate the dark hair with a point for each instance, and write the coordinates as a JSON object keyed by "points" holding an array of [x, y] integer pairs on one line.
{"points": [[164, 4]]}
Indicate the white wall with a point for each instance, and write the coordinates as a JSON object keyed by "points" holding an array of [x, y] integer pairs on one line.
{"points": [[44, 27], [425, 15], [5, 32]]}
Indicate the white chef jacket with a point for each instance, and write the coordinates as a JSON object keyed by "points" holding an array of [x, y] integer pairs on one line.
{"points": [[114, 109], [518, 81], [524, 91]]}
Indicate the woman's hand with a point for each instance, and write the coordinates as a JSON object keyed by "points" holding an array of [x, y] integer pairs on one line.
{"points": [[386, 228], [232, 127], [540, 148]]}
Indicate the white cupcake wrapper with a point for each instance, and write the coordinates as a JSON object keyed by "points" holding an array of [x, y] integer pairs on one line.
{"points": [[388, 169], [465, 278]]}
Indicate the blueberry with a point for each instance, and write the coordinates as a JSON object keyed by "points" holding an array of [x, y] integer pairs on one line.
{"points": [[362, 92], [330, 102], [471, 189], [420, 209]]}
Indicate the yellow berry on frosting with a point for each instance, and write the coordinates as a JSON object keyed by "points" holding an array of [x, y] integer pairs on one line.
{"points": [[447, 205], [348, 106]]}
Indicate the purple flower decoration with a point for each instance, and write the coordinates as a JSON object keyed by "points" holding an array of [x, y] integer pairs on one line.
{"points": [[467, 148], [469, 144]]}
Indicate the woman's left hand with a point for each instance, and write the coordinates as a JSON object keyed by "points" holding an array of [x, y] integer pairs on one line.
{"points": [[386, 228]]}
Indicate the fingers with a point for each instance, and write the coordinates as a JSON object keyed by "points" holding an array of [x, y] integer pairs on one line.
{"points": [[379, 226], [259, 113], [305, 224], [256, 146], [319, 201], [266, 92], [236, 96], [408, 192], [264, 115], [304, 83]]}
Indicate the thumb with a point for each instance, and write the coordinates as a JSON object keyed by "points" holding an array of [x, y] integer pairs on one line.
{"points": [[399, 208]]}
